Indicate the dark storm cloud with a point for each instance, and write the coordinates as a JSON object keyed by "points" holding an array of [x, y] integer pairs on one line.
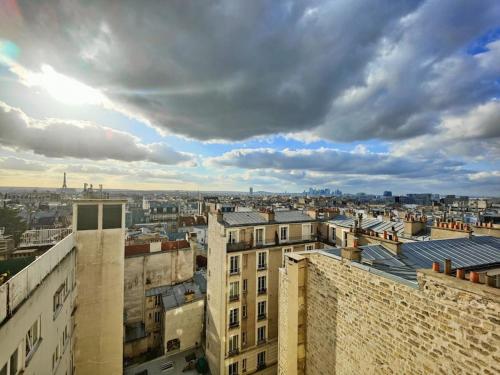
{"points": [[223, 69]]}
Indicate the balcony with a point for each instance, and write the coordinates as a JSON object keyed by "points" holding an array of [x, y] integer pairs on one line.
{"points": [[247, 245], [262, 291], [262, 267], [233, 352], [261, 340], [234, 325], [261, 366], [235, 272], [261, 317], [234, 298]]}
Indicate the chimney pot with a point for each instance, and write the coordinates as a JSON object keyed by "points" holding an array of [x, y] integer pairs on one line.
{"points": [[435, 266], [447, 266], [460, 273], [474, 277]]}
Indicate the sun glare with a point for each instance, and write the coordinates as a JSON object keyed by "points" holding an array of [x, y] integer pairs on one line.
{"points": [[65, 89]]}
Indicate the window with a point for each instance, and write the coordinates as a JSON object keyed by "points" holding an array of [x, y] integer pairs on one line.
{"points": [[259, 236], [244, 365], [111, 216], [157, 316], [14, 363], [173, 344], [58, 299], [87, 217], [55, 357], [261, 360], [234, 265], [262, 260], [286, 250], [261, 334], [65, 337], [234, 291], [243, 338], [244, 311], [283, 233], [233, 368], [32, 339], [245, 285], [232, 237], [3, 371], [157, 300], [307, 231], [261, 282], [234, 317], [261, 310], [310, 247], [233, 344]]}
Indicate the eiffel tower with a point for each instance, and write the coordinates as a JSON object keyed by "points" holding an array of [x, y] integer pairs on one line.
{"points": [[64, 187]]}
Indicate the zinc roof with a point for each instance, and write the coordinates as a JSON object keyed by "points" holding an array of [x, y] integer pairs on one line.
{"points": [[256, 218]]}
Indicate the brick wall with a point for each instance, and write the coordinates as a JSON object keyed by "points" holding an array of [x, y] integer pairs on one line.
{"points": [[362, 323]]}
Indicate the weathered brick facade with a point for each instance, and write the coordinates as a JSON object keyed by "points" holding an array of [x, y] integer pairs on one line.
{"points": [[360, 322]]}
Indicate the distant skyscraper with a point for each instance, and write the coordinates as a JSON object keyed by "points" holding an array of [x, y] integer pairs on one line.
{"points": [[387, 193], [251, 190]]}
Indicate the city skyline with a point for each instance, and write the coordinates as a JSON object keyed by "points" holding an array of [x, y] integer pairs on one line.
{"points": [[223, 96]]}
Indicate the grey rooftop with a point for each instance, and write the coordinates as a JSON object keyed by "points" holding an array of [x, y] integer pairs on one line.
{"points": [[256, 218], [475, 252]]}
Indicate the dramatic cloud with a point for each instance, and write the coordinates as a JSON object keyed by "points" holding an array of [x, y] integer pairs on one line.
{"points": [[474, 135], [63, 138], [359, 162], [231, 70]]}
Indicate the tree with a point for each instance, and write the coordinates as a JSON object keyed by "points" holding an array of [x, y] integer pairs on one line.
{"points": [[12, 223]]}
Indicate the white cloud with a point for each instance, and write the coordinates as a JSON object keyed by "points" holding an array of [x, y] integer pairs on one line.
{"points": [[64, 138]]}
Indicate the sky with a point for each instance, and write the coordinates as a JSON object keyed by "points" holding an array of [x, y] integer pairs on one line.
{"points": [[363, 96]]}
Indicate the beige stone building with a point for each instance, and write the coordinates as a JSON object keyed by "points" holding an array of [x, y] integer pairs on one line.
{"points": [[149, 266], [371, 310], [245, 251], [63, 313]]}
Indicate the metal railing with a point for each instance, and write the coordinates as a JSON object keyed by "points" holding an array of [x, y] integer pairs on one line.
{"points": [[21, 285], [247, 245]]}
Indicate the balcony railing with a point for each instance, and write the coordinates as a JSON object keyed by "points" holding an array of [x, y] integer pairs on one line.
{"points": [[234, 272], [234, 324], [251, 244], [234, 298], [262, 291], [261, 316], [233, 352], [261, 340], [261, 366], [262, 267]]}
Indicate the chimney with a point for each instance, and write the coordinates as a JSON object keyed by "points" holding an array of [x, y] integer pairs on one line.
{"points": [[219, 216], [268, 214], [447, 266], [352, 254]]}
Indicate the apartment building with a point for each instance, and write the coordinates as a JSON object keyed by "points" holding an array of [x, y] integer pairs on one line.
{"points": [[368, 309], [245, 251], [63, 312], [149, 266]]}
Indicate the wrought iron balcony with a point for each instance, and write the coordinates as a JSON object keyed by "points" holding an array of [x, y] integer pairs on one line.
{"points": [[262, 291], [251, 244]]}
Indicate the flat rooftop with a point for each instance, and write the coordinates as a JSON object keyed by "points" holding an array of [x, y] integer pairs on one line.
{"points": [[173, 296]]}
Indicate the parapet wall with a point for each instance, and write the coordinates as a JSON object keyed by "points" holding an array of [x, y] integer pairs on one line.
{"points": [[361, 323]]}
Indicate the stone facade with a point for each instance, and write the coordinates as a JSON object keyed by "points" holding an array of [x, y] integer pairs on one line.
{"points": [[359, 321]]}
